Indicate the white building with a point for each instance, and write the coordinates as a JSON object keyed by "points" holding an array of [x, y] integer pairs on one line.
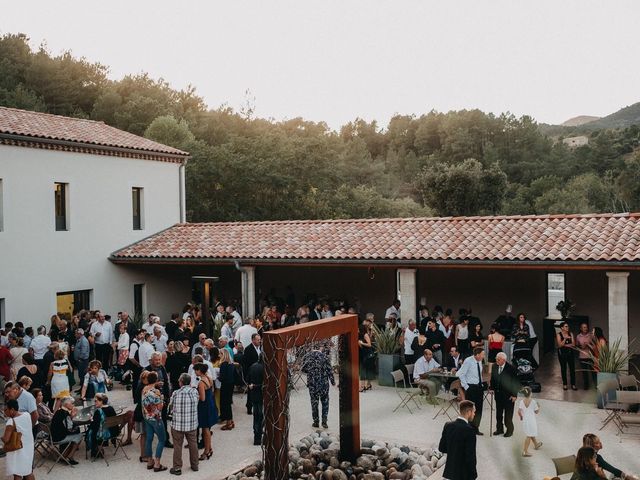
{"points": [[72, 192]]}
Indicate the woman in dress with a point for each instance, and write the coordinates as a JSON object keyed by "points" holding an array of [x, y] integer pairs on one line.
{"points": [[367, 355], [496, 342], [227, 380], [17, 350], [207, 413], [566, 347], [586, 467], [462, 338], [30, 370], [599, 342], [476, 339], [19, 462], [123, 346], [152, 404], [215, 359], [58, 378], [527, 410]]}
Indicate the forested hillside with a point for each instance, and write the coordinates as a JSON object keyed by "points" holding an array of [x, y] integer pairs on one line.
{"points": [[246, 168]]}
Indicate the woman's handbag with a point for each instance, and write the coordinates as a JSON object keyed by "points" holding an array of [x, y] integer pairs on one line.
{"points": [[15, 440]]}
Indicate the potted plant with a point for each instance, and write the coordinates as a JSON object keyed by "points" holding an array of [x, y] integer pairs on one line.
{"points": [[608, 361], [387, 347], [565, 307]]}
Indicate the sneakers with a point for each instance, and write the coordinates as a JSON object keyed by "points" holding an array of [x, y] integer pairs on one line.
{"points": [[315, 425], [324, 424], [175, 471]]}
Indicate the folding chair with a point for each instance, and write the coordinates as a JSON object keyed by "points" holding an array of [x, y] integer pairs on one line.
{"points": [[119, 421], [564, 465], [42, 444], [627, 419], [47, 447], [628, 382], [611, 405], [406, 394], [448, 401]]}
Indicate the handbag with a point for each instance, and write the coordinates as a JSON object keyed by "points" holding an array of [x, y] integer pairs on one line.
{"points": [[15, 440]]}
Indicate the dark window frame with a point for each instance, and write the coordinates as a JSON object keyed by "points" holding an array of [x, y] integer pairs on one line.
{"points": [[61, 210], [136, 207]]}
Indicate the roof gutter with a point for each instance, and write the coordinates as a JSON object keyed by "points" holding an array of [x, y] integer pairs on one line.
{"points": [[106, 148]]}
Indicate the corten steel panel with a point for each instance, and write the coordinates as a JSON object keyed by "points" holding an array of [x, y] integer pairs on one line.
{"points": [[276, 393]]}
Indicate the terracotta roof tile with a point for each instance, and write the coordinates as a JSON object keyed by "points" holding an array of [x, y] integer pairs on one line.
{"points": [[45, 126], [547, 238]]}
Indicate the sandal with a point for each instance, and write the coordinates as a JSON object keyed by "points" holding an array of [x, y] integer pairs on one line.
{"points": [[537, 446], [161, 468], [150, 467], [143, 459], [526, 454]]}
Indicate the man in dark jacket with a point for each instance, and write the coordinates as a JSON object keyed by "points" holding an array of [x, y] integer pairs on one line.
{"points": [[459, 443], [255, 380], [505, 386], [250, 356], [318, 369]]}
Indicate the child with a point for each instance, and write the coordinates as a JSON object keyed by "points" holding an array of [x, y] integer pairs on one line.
{"points": [[527, 410]]}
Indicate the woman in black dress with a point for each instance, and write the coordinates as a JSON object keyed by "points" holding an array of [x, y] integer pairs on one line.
{"points": [[367, 355], [177, 363], [227, 380], [566, 347]]}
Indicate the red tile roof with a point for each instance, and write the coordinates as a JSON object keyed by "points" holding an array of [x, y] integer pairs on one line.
{"points": [[44, 126], [537, 239]]}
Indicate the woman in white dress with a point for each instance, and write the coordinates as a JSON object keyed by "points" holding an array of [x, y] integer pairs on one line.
{"points": [[58, 378], [17, 350], [527, 410], [19, 462]]}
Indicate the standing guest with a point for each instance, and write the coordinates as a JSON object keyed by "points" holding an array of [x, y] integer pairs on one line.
{"points": [[160, 340], [170, 328], [586, 467], [505, 322], [462, 337], [245, 332], [366, 354], [476, 339], [447, 327], [318, 369], [64, 432], [423, 320], [207, 413], [584, 343], [150, 324], [138, 417], [17, 350], [28, 337], [192, 373], [470, 375], [408, 334], [227, 328], [152, 405], [520, 333], [128, 325], [40, 345], [435, 341], [566, 346], [134, 359], [102, 332], [177, 362], [26, 401], [251, 353], [44, 412], [505, 386], [94, 381], [162, 383], [527, 410], [58, 378], [81, 352], [237, 319], [223, 342], [19, 463], [5, 365], [122, 346], [315, 312], [202, 338], [593, 441], [146, 350], [30, 370], [423, 366], [227, 382], [496, 342], [184, 423], [458, 441], [394, 309], [599, 342], [255, 381]]}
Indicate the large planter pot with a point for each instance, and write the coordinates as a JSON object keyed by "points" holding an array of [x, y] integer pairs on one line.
{"points": [[386, 364], [603, 377]]}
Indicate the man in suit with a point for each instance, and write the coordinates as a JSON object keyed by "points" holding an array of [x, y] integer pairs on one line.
{"points": [[505, 386], [470, 375], [453, 362], [458, 441], [251, 354]]}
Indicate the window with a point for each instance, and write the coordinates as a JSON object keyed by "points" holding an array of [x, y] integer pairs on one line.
{"points": [[1, 210], [70, 303], [61, 205], [136, 202], [555, 293], [138, 300]]}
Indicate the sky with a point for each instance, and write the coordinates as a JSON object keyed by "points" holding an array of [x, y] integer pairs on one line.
{"points": [[334, 61]]}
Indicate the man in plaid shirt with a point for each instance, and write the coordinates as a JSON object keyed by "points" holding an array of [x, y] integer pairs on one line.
{"points": [[184, 423]]}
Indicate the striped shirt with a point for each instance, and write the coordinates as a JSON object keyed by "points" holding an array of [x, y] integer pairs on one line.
{"points": [[184, 407]]}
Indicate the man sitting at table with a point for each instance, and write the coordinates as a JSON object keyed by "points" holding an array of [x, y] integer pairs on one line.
{"points": [[423, 366], [63, 430]]}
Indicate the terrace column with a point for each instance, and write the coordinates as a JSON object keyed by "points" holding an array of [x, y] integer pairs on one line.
{"points": [[248, 275], [407, 289], [619, 308]]}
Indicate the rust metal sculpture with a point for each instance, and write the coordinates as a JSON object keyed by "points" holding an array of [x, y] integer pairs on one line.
{"points": [[276, 392]]}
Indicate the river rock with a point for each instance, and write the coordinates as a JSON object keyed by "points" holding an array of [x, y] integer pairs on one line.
{"points": [[339, 475], [441, 461], [250, 471], [366, 461], [367, 443], [427, 470], [398, 476]]}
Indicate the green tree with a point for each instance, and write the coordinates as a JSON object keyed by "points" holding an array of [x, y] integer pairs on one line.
{"points": [[169, 131]]}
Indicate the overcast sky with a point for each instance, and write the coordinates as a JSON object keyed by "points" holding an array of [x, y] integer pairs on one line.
{"points": [[338, 60]]}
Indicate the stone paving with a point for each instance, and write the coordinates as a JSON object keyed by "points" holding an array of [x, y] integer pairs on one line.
{"points": [[561, 426]]}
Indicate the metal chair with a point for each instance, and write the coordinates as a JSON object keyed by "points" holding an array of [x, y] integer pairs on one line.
{"points": [[448, 401], [46, 447], [629, 382], [564, 465], [611, 405], [627, 419], [406, 394], [120, 422]]}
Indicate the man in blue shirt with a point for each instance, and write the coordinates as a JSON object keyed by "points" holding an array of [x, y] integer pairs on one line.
{"points": [[81, 354], [470, 375]]}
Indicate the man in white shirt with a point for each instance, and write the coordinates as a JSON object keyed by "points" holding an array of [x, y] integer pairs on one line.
{"points": [[150, 323], [394, 308], [245, 332], [408, 335], [102, 333], [40, 344], [237, 319], [470, 375], [211, 372], [145, 351], [159, 339], [423, 366], [227, 327]]}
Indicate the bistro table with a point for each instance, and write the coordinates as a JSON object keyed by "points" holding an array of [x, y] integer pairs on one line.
{"points": [[448, 398]]}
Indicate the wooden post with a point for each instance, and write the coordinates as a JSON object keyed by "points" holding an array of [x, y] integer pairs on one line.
{"points": [[276, 393]]}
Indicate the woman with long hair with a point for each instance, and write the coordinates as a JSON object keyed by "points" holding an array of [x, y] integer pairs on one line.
{"points": [[496, 342], [586, 467], [207, 413], [152, 403], [227, 381], [566, 344], [593, 441], [367, 355]]}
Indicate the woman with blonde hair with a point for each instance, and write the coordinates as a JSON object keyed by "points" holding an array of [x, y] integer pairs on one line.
{"points": [[58, 378], [527, 410], [227, 381], [593, 441]]}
